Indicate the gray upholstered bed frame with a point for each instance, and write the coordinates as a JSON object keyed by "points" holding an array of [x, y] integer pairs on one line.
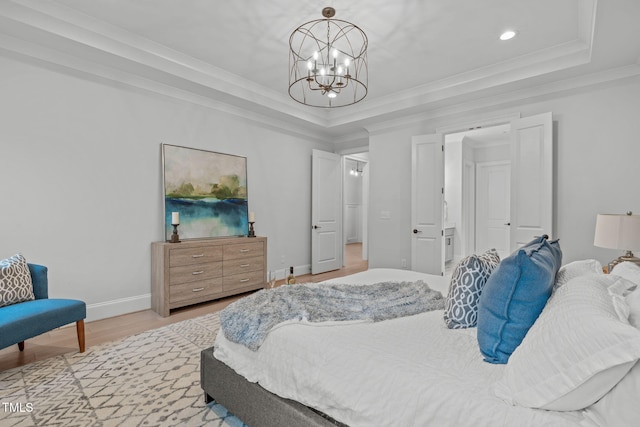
{"points": [[254, 405]]}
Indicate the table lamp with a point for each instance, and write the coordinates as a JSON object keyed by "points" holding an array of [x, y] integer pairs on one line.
{"points": [[619, 231]]}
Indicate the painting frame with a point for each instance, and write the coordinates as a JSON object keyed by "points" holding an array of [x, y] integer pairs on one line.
{"points": [[209, 191]]}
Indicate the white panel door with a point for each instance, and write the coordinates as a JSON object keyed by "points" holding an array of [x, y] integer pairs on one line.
{"points": [[326, 212], [531, 178], [493, 207], [427, 188]]}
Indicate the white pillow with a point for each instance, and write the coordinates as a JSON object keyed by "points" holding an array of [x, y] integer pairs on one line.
{"points": [[628, 270], [575, 352], [633, 301], [575, 269], [619, 407]]}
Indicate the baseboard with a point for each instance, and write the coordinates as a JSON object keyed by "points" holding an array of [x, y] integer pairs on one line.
{"points": [[102, 310], [118, 307]]}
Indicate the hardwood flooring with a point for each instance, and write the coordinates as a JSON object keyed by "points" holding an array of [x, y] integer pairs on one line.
{"points": [[64, 340]]}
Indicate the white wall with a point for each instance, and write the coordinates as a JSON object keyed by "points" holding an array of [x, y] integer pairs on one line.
{"points": [[597, 140], [82, 181]]}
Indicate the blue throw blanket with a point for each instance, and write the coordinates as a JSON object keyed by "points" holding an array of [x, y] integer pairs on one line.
{"points": [[249, 320]]}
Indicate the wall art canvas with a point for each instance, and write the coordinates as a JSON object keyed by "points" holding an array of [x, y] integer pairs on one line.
{"points": [[208, 189]]}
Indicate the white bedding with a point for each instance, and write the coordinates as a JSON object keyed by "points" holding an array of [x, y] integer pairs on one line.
{"points": [[411, 371]]}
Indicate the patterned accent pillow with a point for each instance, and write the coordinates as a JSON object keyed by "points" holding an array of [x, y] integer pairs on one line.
{"points": [[15, 281], [467, 281]]}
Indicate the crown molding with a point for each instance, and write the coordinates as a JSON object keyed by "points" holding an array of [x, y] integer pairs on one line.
{"points": [[83, 68], [490, 77], [50, 34], [498, 101], [57, 27]]}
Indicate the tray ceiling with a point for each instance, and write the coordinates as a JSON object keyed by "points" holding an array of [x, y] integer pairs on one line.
{"points": [[423, 55]]}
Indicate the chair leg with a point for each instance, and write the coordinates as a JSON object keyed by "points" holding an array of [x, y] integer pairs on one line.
{"points": [[80, 329], [21, 346]]}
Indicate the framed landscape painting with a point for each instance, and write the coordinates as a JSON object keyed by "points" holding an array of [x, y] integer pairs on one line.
{"points": [[207, 189]]}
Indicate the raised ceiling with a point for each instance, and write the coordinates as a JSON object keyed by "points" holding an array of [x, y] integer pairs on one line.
{"points": [[425, 56]]}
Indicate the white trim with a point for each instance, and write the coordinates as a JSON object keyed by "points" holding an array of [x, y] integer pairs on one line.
{"points": [[354, 150], [482, 123], [103, 310], [529, 94]]}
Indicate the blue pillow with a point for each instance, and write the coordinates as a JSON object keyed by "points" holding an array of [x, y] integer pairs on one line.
{"points": [[514, 296]]}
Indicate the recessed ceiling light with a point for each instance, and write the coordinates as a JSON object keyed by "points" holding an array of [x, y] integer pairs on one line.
{"points": [[507, 35]]}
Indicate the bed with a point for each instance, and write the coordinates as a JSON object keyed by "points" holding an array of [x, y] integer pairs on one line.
{"points": [[411, 370]]}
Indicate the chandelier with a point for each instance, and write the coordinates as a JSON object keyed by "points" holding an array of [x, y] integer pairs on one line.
{"points": [[328, 62], [356, 171]]}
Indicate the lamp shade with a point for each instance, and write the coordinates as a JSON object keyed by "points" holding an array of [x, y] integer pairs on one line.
{"points": [[618, 231]]}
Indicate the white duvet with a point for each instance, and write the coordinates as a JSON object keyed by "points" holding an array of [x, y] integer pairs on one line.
{"points": [[411, 371]]}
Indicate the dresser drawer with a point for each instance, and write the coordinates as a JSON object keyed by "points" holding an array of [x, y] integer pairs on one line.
{"points": [[202, 289], [198, 255], [243, 250], [194, 273], [242, 265], [199, 270], [244, 280]]}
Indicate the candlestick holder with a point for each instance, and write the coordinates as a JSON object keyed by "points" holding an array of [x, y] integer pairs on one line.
{"points": [[175, 237], [252, 232]]}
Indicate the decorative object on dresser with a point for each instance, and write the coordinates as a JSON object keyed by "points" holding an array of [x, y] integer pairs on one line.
{"points": [[618, 231], [206, 269], [175, 222], [209, 190], [252, 220]]}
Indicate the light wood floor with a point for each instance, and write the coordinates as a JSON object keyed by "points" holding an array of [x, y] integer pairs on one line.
{"points": [[64, 340]]}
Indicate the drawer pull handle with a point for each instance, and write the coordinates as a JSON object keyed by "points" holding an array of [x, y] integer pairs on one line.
{"points": [[244, 280], [195, 273], [197, 290], [244, 265], [244, 250], [197, 256]]}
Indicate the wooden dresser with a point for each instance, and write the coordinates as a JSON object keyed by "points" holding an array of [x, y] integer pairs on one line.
{"points": [[201, 270]]}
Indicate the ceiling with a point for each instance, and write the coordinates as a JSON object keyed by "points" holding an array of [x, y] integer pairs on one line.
{"points": [[426, 57]]}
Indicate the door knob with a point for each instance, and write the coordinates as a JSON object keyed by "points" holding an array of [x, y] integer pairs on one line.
{"points": [[416, 231], [315, 227], [507, 223]]}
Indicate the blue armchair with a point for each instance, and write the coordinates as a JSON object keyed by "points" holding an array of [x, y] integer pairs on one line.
{"points": [[24, 320]]}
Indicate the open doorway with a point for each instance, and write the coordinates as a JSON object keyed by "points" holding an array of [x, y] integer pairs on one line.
{"points": [[531, 211], [355, 207], [476, 192]]}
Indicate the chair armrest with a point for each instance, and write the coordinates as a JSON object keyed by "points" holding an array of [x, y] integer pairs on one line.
{"points": [[39, 280]]}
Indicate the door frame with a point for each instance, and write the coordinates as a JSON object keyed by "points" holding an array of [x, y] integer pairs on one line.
{"points": [[468, 233], [352, 154]]}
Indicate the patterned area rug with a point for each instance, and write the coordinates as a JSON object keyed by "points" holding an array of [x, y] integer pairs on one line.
{"points": [[149, 379]]}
